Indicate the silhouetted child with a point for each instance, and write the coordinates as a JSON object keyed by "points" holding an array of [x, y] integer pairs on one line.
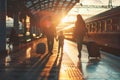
{"points": [[60, 41]]}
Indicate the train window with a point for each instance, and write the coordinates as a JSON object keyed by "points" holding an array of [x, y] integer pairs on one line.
{"points": [[92, 27], [115, 27], [109, 25], [116, 23], [103, 26], [88, 27], [99, 26], [118, 27], [95, 26]]}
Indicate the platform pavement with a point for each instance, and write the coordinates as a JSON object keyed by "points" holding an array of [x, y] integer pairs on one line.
{"points": [[105, 68], [25, 64]]}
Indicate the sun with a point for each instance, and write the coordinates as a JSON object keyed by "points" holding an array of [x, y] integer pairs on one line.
{"points": [[65, 19]]}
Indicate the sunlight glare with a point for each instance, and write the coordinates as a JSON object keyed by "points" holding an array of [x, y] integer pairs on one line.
{"points": [[68, 19], [65, 19]]}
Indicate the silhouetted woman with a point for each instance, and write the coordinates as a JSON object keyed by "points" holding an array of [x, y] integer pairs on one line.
{"points": [[79, 33]]}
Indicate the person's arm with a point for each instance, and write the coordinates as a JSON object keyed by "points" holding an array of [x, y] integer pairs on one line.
{"points": [[57, 38], [55, 33]]}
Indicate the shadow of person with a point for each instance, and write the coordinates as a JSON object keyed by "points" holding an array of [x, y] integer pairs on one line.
{"points": [[54, 73], [36, 70]]}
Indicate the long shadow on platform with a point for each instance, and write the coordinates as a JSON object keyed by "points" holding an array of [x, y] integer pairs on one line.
{"points": [[54, 73], [36, 69]]}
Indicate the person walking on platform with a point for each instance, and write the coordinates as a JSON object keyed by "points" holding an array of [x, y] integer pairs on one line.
{"points": [[50, 32], [79, 33], [60, 41], [50, 39]]}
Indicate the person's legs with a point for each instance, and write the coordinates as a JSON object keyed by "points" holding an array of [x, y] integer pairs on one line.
{"points": [[51, 43], [79, 46], [48, 43], [58, 47], [62, 47]]}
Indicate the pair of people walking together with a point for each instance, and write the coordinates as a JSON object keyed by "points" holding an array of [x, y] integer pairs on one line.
{"points": [[78, 34]]}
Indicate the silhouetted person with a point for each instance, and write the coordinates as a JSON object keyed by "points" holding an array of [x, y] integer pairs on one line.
{"points": [[79, 33], [60, 41], [50, 32]]}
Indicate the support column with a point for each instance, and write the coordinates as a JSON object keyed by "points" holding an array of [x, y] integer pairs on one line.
{"points": [[24, 25], [25, 29], [16, 22], [2, 26], [31, 26]]}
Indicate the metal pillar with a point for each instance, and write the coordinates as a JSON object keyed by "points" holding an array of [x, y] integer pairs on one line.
{"points": [[2, 26], [16, 22], [23, 26], [31, 26]]}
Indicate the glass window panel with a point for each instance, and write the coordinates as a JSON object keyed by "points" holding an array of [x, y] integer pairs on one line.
{"points": [[28, 4], [35, 1]]}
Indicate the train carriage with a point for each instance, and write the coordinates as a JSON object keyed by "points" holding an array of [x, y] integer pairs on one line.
{"points": [[104, 29]]}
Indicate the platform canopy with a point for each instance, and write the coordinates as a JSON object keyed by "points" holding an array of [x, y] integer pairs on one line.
{"points": [[31, 7]]}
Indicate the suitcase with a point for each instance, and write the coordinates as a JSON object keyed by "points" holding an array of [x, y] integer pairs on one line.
{"points": [[40, 48], [93, 50]]}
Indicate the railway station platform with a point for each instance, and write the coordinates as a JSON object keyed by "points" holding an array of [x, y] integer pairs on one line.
{"points": [[25, 64]]}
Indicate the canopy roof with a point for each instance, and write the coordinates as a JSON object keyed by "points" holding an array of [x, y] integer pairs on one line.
{"points": [[30, 7]]}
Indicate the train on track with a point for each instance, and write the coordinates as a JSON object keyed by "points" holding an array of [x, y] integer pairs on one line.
{"points": [[104, 29]]}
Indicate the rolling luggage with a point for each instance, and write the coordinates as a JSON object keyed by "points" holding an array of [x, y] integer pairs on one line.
{"points": [[93, 50], [40, 48]]}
